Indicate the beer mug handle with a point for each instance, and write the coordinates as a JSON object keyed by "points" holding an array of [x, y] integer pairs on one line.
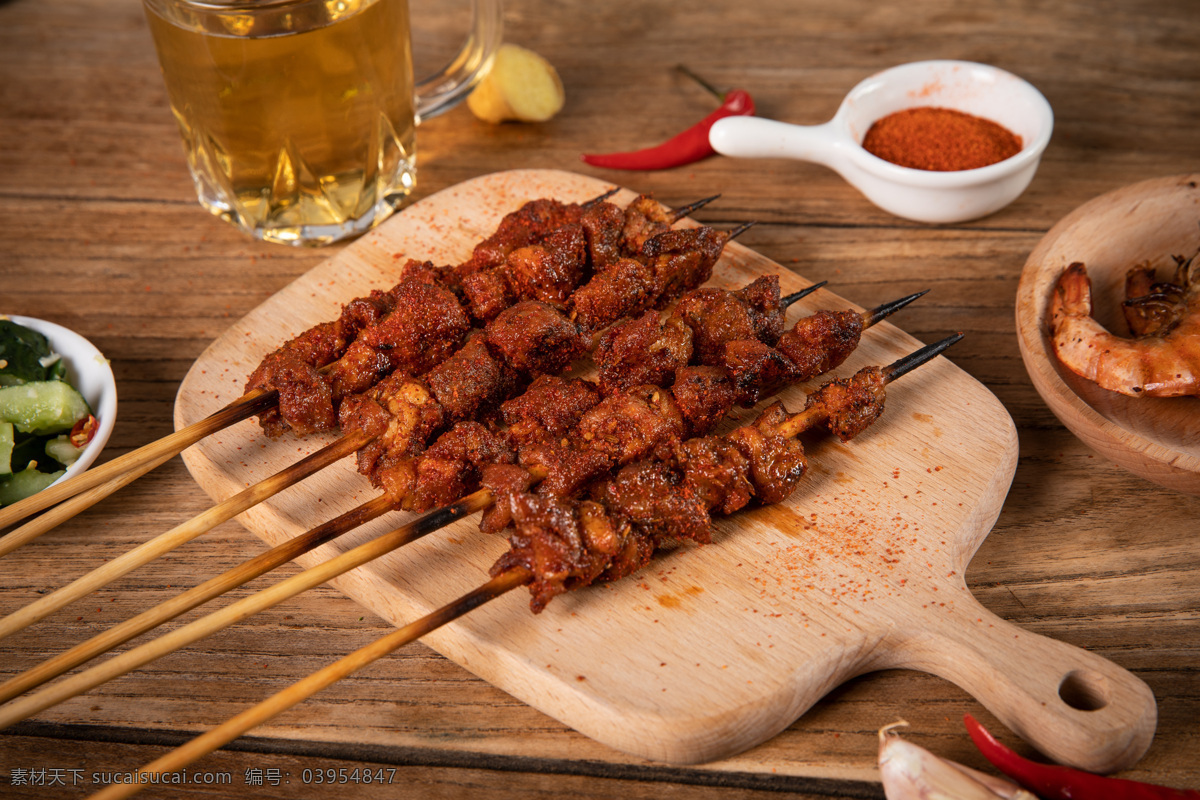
{"points": [[441, 91]]}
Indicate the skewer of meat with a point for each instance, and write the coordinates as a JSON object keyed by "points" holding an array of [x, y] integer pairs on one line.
{"points": [[324, 533], [848, 407], [325, 343], [565, 543], [436, 305], [530, 338], [526, 414], [321, 345], [698, 398]]}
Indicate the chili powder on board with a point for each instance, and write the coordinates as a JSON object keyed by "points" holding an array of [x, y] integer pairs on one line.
{"points": [[940, 139]]}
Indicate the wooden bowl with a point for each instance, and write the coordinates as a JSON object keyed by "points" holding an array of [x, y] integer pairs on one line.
{"points": [[1155, 438]]}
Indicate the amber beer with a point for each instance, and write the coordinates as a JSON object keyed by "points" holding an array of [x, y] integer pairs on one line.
{"points": [[297, 116]]}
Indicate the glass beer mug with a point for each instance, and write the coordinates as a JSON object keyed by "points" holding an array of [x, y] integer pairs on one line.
{"points": [[299, 116]]}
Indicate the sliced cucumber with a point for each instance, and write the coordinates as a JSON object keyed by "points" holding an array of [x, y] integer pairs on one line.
{"points": [[42, 407], [6, 448], [61, 450], [25, 483]]}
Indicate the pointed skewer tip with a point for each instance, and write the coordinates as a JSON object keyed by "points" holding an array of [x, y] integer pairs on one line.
{"points": [[740, 229], [908, 363], [785, 302], [601, 198], [683, 211], [885, 310]]}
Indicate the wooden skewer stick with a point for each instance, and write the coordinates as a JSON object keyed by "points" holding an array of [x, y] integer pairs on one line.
{"points": [[356, 557], [247, 606], [803, 420], [70, 507], [510, 579], [253, 568], [681, 212], [787, 300], [307, 687], [166, 542], [248, 405], [600, 198], [196, 596], [905, 365], [882, 312], [252, 403], [740, 229]]}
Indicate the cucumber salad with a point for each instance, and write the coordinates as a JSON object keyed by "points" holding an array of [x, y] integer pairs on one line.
{"points": [[44, 421]]}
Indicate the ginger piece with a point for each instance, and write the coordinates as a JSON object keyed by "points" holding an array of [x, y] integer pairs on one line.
{"points": [[521, 86]]}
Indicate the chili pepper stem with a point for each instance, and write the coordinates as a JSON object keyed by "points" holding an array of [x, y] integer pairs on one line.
{"points": [[714, 91]]}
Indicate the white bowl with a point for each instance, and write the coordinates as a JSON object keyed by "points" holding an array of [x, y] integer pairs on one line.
{"points": [[916, 194], [89, 372]]}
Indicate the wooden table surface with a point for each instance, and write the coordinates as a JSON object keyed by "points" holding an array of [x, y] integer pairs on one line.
{"points": [[102, 234]]}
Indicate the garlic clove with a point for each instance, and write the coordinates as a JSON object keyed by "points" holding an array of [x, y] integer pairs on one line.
{"points": [[909, 772]]}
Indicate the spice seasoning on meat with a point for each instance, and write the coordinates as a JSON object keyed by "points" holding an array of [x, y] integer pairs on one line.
{"points": [[940, 139]]}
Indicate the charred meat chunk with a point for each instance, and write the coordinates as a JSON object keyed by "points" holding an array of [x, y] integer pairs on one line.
{"points": [[777, 463], [643, 350], [818, 343], [549, 408], [655, 497], [535, 338], [452, 466], [632, 424], [851, 404], [704, 396], [472, 381]]}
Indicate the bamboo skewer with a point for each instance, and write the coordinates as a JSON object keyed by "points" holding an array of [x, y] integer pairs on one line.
{"points": [[248, 405], [263, 563], [323, 678], [157, 452], [196, 596], [74, 505], [510, 579], [417, 528], [241, 609], [164, 543]]}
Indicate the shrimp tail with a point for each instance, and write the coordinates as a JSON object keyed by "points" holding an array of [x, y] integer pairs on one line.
{"points": [[1072, 295]]}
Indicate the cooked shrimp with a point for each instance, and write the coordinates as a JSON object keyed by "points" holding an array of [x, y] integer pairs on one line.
{"points": [[1163, 361]]}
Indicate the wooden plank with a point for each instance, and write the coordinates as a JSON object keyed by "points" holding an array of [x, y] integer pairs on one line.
{"points": [[97, 203]]}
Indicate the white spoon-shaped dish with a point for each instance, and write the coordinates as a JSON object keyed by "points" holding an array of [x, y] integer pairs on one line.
{"points": [[920, 195]]}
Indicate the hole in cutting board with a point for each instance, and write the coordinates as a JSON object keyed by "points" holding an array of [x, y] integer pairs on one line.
{"points": [[1084, 690]]}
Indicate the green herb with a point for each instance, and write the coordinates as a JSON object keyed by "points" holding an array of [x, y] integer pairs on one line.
{"points": [[25, 356]]}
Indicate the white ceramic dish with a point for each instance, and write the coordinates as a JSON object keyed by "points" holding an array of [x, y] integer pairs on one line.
{"points": [[921, 195], [89, 372]]}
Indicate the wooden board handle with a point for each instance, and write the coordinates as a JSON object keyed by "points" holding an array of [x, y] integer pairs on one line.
{"points": [[1072, 705]]}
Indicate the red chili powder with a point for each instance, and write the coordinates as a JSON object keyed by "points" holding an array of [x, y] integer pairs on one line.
{"points": [[940, 139]]}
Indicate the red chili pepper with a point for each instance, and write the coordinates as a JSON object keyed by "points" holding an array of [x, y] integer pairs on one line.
{"points": [[685, 148], [1054, 782], [83, 431]]}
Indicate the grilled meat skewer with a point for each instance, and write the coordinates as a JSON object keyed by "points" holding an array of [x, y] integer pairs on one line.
{"points": [[449, 469], [514, 575], [421, 321], [575, 431]]}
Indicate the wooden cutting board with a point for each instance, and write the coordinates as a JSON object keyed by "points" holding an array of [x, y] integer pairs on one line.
{"points": [[709, 650]]}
